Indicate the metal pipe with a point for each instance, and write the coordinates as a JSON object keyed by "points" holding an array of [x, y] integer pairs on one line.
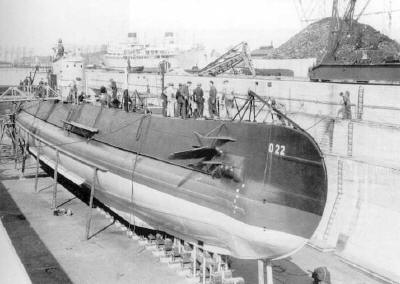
{"points": [[89, 218]]}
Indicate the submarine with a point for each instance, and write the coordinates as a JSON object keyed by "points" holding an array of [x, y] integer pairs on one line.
{"points": [[245, 189]]}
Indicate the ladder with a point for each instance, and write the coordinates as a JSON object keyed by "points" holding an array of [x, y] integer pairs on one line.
{"points": [[337, 200], [360, 104], [350, 135]]}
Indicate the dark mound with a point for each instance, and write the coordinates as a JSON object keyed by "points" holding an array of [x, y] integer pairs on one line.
{"points": [[360, 39]]}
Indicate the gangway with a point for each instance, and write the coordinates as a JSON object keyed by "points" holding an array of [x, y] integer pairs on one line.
{"points": [[14, 94], [230, 60]]}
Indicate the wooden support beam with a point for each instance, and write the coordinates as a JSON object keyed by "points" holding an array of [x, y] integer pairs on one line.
{"points": [[265, 272], [25, 154], [270, 279], [38, 148], [204, 267], [261, 272], [54, 202], [194, 259], [89, 217]]}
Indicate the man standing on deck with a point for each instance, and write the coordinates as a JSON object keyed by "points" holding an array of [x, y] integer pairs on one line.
{"points": [[180, 101], [199, 101], [212, 100], [227, 99], [114, 100], [189, 109], [164, 100], [170, 100], [126, 100], [103, 96], [185, 93]]}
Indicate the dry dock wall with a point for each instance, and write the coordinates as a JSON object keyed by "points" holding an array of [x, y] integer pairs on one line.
{"points": [[361, 218]]}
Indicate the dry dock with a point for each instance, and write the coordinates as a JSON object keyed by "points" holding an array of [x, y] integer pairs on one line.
{"points": [[54, 249]]}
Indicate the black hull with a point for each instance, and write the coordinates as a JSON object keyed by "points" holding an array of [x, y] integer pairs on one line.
{"points": [[285, 192]]}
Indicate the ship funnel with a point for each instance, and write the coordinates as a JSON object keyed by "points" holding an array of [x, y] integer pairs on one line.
{"points": [[169, 37], [132, 37]]}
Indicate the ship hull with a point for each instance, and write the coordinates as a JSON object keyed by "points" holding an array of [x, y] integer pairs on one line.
{"points": [[357, 73], [173, 198]]}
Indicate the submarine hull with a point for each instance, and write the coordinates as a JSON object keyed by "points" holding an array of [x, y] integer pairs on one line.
{"points": [[270, 212]]}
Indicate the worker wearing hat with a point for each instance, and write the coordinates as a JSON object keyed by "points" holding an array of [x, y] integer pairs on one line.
{"points": [[198, 96], [171, 100], [212, 100]]}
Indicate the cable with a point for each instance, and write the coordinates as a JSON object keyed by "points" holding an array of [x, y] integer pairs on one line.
{"points": [[138, 138], [318, 122]]}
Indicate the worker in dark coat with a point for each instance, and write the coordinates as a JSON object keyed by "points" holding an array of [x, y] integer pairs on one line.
{"points": [[198, 95], [164, 102], [103, 96], [180, 100], [114, 90], [185, 93], [126, 100], [212, 101]]}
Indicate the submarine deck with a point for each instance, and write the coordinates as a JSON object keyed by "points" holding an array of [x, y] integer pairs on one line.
{"points": [[110, 256]]}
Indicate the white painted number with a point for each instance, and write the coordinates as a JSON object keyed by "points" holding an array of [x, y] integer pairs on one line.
{"points": [[279, 149]]}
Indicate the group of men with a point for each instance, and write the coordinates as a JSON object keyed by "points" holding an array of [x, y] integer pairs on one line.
{"points": [[112, 99], [186, 102], [41, 90]]}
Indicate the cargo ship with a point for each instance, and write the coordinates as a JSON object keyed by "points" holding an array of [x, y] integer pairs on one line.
{"points": [[147, 56]]}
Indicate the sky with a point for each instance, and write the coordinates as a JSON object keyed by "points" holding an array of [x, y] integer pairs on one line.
{"points": [[218, 24]]}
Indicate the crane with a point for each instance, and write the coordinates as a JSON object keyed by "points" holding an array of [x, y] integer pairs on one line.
{"points": [[230, 60], [337, 27]]}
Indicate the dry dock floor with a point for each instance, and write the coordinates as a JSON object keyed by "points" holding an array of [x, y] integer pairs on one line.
{"points": [[54, 249]]}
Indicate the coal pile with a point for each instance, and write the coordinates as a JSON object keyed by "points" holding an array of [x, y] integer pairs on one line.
{"points": [[355, 44]]}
